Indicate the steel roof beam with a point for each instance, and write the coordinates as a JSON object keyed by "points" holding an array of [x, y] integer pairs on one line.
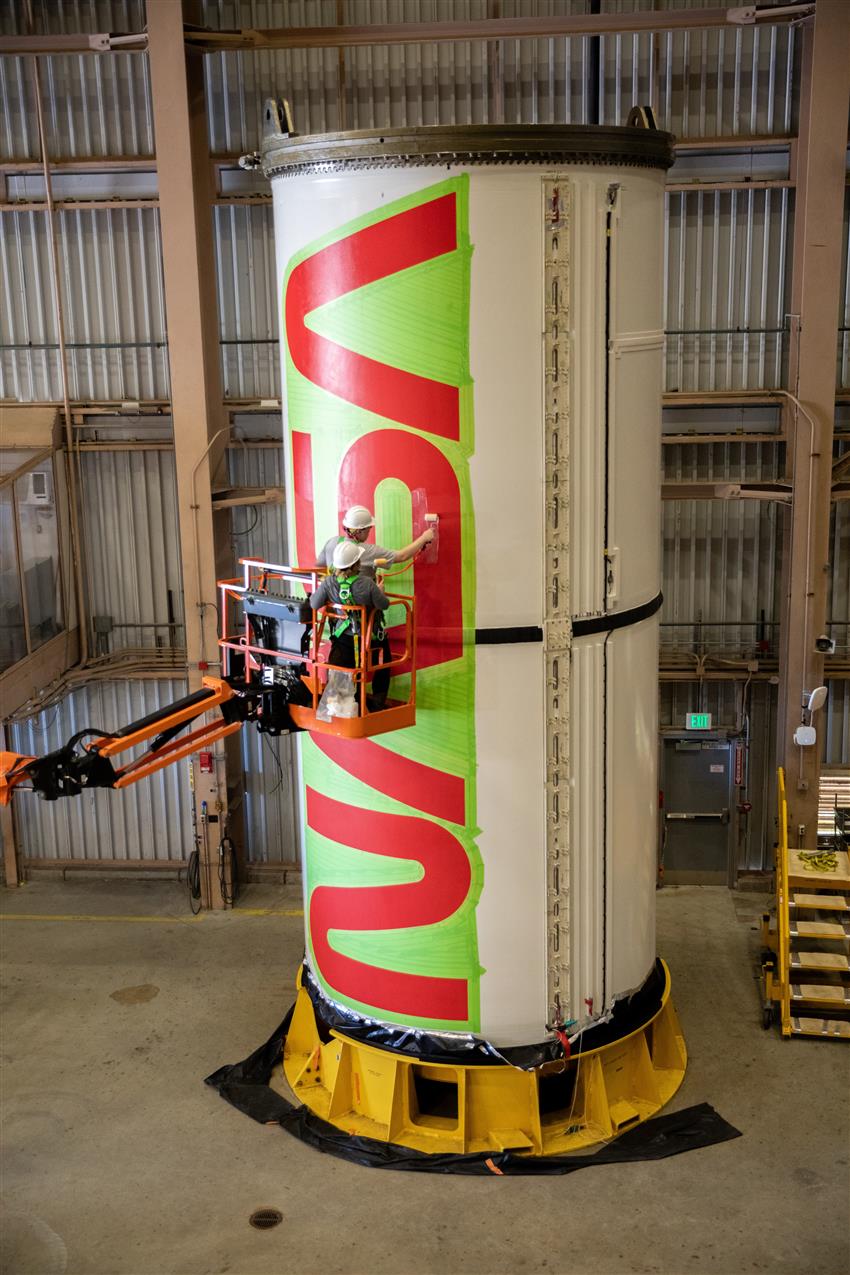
{"points": [[72, 42], [490, 29], [487, 29]]}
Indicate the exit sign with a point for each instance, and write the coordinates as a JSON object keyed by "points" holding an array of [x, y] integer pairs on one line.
{"points": [[697, 721]]}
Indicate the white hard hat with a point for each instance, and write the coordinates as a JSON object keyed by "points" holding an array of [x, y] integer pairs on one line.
{"points": [[357, 518], [346, 554]]}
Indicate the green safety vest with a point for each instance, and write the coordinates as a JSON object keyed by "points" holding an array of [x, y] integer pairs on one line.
{"points": [[345, 585]]}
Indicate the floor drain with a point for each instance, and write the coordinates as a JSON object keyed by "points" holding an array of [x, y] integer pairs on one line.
{"points": [[265, 1219]]}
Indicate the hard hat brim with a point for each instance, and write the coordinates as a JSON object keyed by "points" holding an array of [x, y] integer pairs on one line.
{"points": [[360, 525], [349, 546]]}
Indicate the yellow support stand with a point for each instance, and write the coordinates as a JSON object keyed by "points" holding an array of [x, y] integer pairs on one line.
{"points": [[453, 1109]]}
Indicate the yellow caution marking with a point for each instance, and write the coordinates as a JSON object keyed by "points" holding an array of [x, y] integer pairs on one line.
{"points": [[139, 920], [237, 911], [144, 920]]}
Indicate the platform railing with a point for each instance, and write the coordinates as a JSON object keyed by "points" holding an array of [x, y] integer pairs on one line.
{"points": [[258, 576], [366, 666], [783, 916]]}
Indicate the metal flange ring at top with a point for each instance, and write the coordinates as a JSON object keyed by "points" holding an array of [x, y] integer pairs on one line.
{"points": [[547, 144]]}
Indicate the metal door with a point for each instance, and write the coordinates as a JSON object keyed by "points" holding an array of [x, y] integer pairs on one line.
{"points": [[696, 816]]}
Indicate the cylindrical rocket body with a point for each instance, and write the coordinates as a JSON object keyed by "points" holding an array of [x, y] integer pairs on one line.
{"points": [[481, 340]]}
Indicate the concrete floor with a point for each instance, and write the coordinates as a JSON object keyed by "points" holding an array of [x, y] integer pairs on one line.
{"points": [[119, 1160]]}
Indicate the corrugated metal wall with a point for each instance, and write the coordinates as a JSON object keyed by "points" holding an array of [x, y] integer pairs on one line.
{"points": [[721, 558], [728, 274], [837, 743], [727, 287], [112, 293], [93, 105], [132, 563], [838, 597], [245, 271], [271, 798], [727, 253], [132, 544], [271, 778], [259, 531], [702, 83], [151, 820]]}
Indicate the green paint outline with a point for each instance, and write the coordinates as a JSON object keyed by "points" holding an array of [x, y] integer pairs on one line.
{"points": [[445, 693]]}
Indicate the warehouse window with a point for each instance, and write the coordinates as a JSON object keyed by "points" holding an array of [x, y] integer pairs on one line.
{"points": [[31, 610], [13, 641]]}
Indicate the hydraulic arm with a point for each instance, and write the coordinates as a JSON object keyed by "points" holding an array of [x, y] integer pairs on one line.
{"points": [[86, 761], [275, 665]]}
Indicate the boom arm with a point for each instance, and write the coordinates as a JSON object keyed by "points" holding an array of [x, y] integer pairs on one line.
{"points": [[273, 676], [78, 764]]}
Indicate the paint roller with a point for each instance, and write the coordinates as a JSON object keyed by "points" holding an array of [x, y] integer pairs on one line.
{"points": [[429, 552]]}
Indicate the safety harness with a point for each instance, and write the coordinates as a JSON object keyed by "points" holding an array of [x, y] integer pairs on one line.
{"points": [[344, 586], [351, 620]]}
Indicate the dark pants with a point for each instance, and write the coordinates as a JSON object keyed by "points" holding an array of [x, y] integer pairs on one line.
{"points": [[342, 653]]}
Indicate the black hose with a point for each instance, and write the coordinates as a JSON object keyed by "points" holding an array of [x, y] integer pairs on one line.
{"points": [[227, 851], [193, 881]]}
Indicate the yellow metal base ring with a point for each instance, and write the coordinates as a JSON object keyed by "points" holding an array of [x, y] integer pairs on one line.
{"points": [[451, 1109]]}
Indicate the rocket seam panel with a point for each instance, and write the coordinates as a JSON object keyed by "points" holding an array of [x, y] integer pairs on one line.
{"points": [[507, 636], [580, 628], [618, 619]]}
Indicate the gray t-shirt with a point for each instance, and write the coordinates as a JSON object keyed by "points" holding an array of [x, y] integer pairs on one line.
{"points": [[364, 593], [367, 561]]}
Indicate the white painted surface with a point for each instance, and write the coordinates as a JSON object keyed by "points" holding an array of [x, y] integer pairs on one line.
{"points": [[612, 899], [587, 393], [506, 362], [637, 343], [632, 805], [587, 826], [511, 812]]}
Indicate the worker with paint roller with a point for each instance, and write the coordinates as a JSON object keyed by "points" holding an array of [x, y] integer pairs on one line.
{"points": [[347, 584], [356, 525]]}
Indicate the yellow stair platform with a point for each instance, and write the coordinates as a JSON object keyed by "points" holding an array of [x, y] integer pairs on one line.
{"points": [[827, 1027], [819, 961], [812, 938], [821, 993], [819, 930], [803, 875], [823, 902]]}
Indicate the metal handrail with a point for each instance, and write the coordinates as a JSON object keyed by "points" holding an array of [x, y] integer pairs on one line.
{"points": [[782, 901]]}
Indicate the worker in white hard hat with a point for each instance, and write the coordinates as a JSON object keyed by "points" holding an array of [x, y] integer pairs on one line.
{"points": [[349, 585], [356, 525]]}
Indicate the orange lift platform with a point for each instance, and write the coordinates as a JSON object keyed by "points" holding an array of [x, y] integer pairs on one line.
{"points": [[275, 669], [270, 593]]}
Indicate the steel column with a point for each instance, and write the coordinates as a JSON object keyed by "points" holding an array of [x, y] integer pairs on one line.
{"points": [[809, 416], [199, 422]]}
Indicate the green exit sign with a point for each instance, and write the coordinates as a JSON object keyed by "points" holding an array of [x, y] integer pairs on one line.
{"points": [[697, 721]]}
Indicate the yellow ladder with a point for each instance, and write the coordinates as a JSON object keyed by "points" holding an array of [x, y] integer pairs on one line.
{"points": [[808, 978]]}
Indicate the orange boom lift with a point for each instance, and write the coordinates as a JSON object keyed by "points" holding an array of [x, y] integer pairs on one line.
{"points": [[274, 663]]}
